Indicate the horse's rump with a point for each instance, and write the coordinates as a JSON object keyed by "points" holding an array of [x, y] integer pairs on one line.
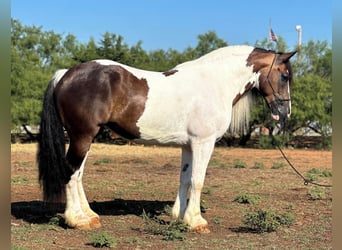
{"points": [[91, 95]]}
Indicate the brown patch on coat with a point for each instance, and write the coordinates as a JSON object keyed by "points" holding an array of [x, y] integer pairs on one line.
{"points": [[248, 87], [91, 95], [129, 95], [170, 72]]}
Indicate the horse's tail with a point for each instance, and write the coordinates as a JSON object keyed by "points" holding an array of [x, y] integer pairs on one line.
{"points": [[54, 171]]}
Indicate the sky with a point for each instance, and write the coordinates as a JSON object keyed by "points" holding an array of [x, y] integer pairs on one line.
{"points": [[176, 24]]}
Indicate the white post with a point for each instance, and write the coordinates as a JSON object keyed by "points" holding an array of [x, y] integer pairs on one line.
{"points": [[299, 30]]}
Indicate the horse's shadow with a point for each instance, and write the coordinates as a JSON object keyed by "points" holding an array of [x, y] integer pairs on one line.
{"points": [[39, 212]]}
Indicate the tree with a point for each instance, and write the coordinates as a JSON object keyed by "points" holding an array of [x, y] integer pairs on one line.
{"points": [[28, 76], [209, 42], [312, 105], [280, 46], [112, 47], [85, 52], [312, 92]]}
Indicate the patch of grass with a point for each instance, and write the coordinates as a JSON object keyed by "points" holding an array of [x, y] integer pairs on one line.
{"points": [[311, 177], [256, 183], [258, 165], [320, 173], [316, 193], [133, 240], [24, 163], [23, 180], [239, 164], [314, 171], [262, 221], [207, 191], [175, 230], [214, 162], [278, 165], [204, 205], [102, 161], [314, 174], [218, 163], [326, 173], [168, 210], [290, 206], [217, 220], [247, 199], [14, 247], [102, 239], [55, 220]]}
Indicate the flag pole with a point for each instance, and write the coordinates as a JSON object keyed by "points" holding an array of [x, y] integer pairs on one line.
{"points": [[272, 36], [299, 43]]}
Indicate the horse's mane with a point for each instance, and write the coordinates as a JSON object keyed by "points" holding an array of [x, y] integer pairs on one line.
{"points": [[239, 124], [218, 55]]}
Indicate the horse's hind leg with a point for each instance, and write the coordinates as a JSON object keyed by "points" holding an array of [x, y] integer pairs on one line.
{"points": [[94, 217], [78, 213]]}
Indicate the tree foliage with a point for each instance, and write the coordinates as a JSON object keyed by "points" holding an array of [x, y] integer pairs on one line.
{"points": [[37, 54]]}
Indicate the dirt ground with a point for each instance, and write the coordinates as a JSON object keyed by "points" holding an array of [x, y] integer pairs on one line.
{"points": [[124, 182]]}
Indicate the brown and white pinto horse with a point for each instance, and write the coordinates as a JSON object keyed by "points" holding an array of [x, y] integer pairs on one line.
{"points": [[191, 105]]}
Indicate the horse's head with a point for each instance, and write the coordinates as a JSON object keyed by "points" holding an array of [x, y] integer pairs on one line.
{"points": [[275, 80]]}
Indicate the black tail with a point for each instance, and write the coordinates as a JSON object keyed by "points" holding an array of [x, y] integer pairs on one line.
{"points": [[54, 170]]}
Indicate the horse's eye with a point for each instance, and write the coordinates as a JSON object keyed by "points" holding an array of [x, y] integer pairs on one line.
{"points": [[285, 77]]}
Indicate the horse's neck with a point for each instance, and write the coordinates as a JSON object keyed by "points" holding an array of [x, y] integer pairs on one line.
{"points": [[230, 77]]}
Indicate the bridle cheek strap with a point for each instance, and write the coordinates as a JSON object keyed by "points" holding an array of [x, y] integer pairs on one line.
{"points": [[276, 95]]}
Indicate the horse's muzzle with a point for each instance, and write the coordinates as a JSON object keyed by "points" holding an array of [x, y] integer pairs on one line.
{"points": [[280, 110]]}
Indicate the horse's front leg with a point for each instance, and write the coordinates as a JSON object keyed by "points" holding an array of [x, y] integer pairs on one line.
{"points": [[179, 207], [201, 153]]}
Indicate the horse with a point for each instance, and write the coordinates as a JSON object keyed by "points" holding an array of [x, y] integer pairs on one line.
{"points": [[190, 105]]}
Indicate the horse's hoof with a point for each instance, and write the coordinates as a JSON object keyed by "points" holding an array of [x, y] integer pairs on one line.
{"points": [[202, 229], [95, 222], [83, 225]]}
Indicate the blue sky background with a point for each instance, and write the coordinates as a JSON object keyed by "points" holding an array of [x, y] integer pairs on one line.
{"points": [[163, 24]]}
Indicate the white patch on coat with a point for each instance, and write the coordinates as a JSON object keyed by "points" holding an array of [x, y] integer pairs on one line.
{"points": [[197, 100], [58, 76]]}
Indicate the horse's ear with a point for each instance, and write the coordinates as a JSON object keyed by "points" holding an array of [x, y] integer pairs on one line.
{"points": [[285, 57]]}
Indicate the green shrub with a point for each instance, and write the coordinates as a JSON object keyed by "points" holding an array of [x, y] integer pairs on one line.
{"points": [[102, 239], [277, 165], [239, 164], [175, 230], [320, 173], [314, 173], [247, 199], [316, 193], [204, 205], [262, 221], [102, 161], [326, 173], [259, 165]]}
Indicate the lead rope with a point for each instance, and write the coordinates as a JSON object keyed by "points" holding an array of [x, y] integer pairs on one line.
{"points": [[306, 181]]}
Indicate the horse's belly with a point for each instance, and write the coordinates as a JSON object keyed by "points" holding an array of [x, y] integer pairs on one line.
{"points": [[163, 129]]}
